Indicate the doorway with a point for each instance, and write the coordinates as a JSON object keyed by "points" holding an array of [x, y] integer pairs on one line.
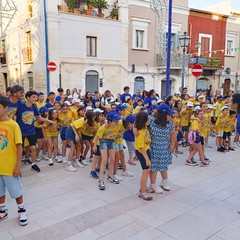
{"points": [[163, 88], [226, 86], [139, 84], [91, 81]]}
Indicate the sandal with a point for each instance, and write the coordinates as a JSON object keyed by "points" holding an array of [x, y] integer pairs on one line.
{"points": [[204, 164], [144, 196]]}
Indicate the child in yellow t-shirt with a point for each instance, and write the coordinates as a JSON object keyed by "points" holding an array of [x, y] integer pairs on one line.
{"points": [[51, 131], [221, 126], [139, 106], [177, 129], [142, 146], [10, 163], [106, 135]]}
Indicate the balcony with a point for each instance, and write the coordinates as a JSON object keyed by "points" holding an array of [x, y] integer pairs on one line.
{"points": [[176, 61], [213, 63]]}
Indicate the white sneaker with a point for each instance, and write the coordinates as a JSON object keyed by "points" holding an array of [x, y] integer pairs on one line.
{"points": [[84, 162], [44, 157], [76, 163], [64, 159], [38, 159], [156, 188], [174, 155], [22, 217], [127, 174], [165, 185], [70, 168], [57, 160], [50, 162], [117, 177]]}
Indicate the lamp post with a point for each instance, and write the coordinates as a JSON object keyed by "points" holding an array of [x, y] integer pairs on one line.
{"points": [[197, 46], [184, 42]]}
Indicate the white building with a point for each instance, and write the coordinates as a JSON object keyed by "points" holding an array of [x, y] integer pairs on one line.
{"points": [[91, 53]]}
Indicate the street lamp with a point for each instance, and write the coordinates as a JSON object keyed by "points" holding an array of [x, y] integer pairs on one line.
{"points": [[184, 42], [197, 46]]}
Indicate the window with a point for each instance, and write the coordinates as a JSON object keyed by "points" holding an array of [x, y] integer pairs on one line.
{"points": [[28, 47], [3, 52], [139, 38], [91, 46], [139, 33], [30, 11], [230, 43]]}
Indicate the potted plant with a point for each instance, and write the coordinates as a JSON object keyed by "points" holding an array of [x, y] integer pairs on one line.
{"points": [[100, 5], [89, 10], [114, 12], [73, 6]]}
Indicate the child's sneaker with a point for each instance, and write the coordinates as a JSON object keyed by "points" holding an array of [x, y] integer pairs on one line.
{"points": [[22, 217], [112, 179], [70, 168], [101, 185], [156, 188], [36, 168], [50, 162], [144, 196], [57, 160], [83, 162], [127, 174], [94, 174], [165, 185], [117, 177], [38, 159], [3, 213], [131, 162], [78, 164], [64, 160]]}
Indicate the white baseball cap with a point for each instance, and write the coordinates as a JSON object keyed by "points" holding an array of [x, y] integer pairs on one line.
{"points": [[197, 108], [76, 100], [159, 100], [178, 93], [98, 110], [210, 106], [68, 103], [89, 108], [70, 96], [224, 107], [190, 104]]}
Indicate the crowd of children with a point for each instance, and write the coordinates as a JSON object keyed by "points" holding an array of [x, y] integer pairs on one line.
{"points": [[94, 127]]}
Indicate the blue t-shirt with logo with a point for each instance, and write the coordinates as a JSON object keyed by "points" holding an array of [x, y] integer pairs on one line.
{"points": [[58, 98], [136, 97], [25, 119], [48, 105], [12, 108], [128, 136], [124, 97], [150, 101]]}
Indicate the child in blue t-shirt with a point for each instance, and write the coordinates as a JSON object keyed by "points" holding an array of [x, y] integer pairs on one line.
{"points": [[26, 114]]}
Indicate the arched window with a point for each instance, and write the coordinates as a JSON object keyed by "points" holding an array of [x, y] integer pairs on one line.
{"points": [[139, 83]]}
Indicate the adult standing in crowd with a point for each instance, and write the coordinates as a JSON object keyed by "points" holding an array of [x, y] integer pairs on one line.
{"points": [[151, 99]]}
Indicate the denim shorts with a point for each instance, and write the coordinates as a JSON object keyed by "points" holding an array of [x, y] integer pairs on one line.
{"points": [[107, 144], [118, 147], [70, 135], [185, 128], [13, 185], [63, 131]]}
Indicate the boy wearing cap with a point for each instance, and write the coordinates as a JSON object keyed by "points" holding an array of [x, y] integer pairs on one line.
{"points": [[50, 100], [221, 126], [40, 101], [74, 108], [185, 118], [15, 100]]}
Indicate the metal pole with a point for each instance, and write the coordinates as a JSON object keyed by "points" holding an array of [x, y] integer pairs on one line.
{"points": [[169, 48], [46, 43], [183, 66]]}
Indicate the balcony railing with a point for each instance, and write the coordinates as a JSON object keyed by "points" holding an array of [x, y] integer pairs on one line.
{"points": [[176, 60], [213, 63]]}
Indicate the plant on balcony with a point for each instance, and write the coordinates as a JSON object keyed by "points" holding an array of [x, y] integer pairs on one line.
{"points": [[73, 5], [114, 12], [100, 5], [89, 10]]}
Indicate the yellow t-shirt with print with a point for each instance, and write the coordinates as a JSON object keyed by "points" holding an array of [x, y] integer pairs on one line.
{"points": [[89, 131], [143, 140], [105, 132], [74, 113], [185, 116], [176, 122], [65, 118], [51, 130], [137, 109], [121, 129], [217, 108], [221, 123], [195, 126], [10, 136], [39, 105], [205, 125], [227, 124]]}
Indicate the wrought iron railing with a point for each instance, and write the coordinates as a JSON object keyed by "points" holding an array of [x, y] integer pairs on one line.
{"points": [[176, 60]]}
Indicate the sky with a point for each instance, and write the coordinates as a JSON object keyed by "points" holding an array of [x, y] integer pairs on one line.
{"points": [[200, 4]]}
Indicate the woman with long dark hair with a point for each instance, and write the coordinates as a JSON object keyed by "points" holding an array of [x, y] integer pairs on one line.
{"points": [[162, 146]]}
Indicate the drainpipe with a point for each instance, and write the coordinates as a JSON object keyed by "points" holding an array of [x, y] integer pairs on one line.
{"points": [[46, 43]]}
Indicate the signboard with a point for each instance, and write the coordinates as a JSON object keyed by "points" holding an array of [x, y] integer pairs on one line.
{"points": [[197, 60], [52, 66], [197, 70]]}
